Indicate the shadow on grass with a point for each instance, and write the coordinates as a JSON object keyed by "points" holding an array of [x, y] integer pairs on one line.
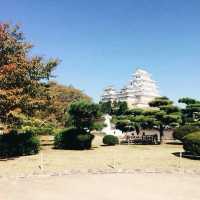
{"points": [[47, 140], [8, 158], [174, 143], [105, 145], [44, 145], [2, 159], [91, 149], [186, 155]]}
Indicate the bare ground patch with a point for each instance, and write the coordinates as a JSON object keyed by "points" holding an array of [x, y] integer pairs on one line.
{"points": [[126, 157]]}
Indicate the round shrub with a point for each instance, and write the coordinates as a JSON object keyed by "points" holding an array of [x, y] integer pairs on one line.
{"points": [[181, 132], [73, 139], [18, 144], [191, 143], [110, 140]]}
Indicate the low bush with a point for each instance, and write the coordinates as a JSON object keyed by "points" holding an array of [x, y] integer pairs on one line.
{"points": [[191, 143], [74, 139], [181, 132], [110, 140], [18, 144]]}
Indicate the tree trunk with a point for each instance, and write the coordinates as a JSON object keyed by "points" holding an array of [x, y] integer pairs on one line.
{"points": [[137, 129], [161, 130]]}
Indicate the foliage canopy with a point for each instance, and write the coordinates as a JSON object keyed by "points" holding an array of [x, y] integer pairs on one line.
{"points": [[23, 87]]}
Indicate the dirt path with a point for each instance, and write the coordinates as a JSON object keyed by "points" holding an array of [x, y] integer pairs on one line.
{"points": [[138, 186]]}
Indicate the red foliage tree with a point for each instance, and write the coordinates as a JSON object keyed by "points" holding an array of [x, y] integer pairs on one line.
{"points": [[22, 77]]}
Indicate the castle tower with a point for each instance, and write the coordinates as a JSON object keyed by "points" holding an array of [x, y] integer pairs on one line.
{"points": [[137, 93], [144, 89], [109, 94]]}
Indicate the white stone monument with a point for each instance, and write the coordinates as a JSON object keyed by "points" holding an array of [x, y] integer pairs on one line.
{"points": [[109, 130]]}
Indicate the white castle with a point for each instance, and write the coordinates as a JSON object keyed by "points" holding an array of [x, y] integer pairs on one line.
{"points": [[138, 93]]}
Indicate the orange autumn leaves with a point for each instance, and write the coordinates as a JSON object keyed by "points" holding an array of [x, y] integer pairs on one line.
{"points": [[2, 31], [24, 86], [7, 68], [22, 77]]}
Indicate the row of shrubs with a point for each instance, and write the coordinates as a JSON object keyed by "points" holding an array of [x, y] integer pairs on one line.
{"points": [[17, 143], [83, 115], [75, 139], [190, 137]]}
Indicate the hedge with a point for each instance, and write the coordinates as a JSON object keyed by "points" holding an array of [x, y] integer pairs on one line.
{"points": [[74, 139], [110, 140], [18, 144], [191, 143], [181, 132]]}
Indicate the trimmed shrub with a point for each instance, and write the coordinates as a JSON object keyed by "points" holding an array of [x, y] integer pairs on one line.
{"points": [[191, 143], [73, 139], [181, 132], [18, 144], [110, 140]]}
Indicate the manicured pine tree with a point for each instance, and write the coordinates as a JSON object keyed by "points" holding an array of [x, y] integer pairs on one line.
{"points": [[167, 114], [191, 112], [106, 107], [84, 114]]}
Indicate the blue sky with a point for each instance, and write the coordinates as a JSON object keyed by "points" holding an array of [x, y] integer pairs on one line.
{"points": [[102, 42]]}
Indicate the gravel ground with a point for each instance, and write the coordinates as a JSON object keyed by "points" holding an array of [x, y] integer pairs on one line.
{"points": [[140, 186], [103, 173], [128, 157]]}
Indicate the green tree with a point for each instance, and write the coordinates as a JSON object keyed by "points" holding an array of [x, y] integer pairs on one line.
{"points": [[125, 125], [188, 100], [191, 112], [167, 114], [143, 120], [134, 112], [84, 114], [122, 108], [23, 87], [106, 107], [114, 108]]}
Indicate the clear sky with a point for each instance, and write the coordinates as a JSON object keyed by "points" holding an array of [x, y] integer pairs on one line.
{"points": [[102, 42]]}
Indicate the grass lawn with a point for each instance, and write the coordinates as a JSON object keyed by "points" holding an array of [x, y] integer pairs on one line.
{"points": [[130, 157]]}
